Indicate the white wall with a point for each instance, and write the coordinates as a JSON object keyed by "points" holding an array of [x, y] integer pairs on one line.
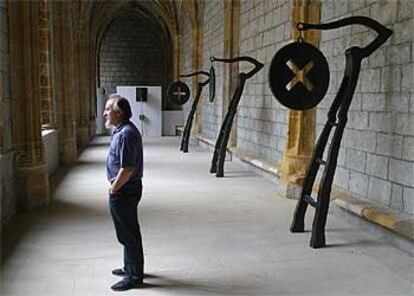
{"points": [[171, 119], [151, 109], [50, 143]]}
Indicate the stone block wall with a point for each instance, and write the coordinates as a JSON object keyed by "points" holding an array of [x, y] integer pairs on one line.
{"points": [[376, 159], [212, 113], [132, 53], [8, 200], [377, 152], [265, 27]]}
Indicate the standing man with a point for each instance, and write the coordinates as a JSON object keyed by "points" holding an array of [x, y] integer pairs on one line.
{"points": [[124, 167]]}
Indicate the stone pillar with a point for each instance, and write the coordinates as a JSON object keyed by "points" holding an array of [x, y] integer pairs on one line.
{"points": [[196, 32], [197, 29], [64, 81], [31, 172], [46, 102], [7, 154], [92, 87], [301, 125], [231, 50], [81, 84]]}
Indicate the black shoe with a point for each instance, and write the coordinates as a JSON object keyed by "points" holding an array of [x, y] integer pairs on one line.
{"points": [[118, 272], [127, 284]]}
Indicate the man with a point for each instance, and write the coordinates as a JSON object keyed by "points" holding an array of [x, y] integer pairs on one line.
{"points": [[124, 166]]}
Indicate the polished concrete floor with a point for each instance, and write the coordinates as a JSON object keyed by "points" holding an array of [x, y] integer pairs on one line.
{"points": [[202, 236]]}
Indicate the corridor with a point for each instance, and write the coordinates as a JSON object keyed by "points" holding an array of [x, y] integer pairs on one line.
{"points": [[202, 236]]}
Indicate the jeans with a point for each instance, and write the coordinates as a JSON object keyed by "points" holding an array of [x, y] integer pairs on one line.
{"points": [[123, 206]]}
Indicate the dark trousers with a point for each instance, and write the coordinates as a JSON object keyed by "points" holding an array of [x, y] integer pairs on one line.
{"points": [[123, 206]]}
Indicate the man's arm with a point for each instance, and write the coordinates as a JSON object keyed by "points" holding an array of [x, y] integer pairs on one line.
{"points": [[123, 176]]}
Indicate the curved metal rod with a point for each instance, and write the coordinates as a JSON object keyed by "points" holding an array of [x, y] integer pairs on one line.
{"points": [[383, 32], [198, 73], [258, 65]]}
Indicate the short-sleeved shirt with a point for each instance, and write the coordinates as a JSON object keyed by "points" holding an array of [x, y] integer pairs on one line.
{"points": [[125, 151]]}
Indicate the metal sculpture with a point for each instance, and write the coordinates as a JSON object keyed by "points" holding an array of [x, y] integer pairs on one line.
{"points": [[178, 93], [212, 86], [187, 129], [299, 75], [219, 155], [337, 117]]}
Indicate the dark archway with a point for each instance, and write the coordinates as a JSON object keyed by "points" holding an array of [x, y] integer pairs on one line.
{"points": [[135, 51]]}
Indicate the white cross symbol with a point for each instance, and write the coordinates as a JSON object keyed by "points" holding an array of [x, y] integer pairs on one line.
{"points": [[178, 93], [299, 75]]}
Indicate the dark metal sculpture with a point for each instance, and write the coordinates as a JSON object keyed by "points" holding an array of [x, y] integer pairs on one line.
{"points": [[217, 163], [187, 129], [337, 117], [212, 86], [299, 75], [178, 93]]}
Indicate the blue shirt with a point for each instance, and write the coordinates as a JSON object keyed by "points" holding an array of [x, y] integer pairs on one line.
{"points": [[125, 151]]}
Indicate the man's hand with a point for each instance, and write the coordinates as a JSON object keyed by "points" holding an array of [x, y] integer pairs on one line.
{"points": [[123, 176]]}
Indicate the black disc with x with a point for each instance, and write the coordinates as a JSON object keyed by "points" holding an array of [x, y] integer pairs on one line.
{"points": [[299, 76], [178, 93]]}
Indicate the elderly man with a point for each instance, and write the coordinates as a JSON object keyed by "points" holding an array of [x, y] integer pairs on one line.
{"points": [[124, 167]]}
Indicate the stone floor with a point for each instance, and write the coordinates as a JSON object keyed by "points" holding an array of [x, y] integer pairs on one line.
{"points": [[202, 236]]}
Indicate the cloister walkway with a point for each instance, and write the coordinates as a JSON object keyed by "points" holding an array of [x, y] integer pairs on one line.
{"points": [[202, 236]]}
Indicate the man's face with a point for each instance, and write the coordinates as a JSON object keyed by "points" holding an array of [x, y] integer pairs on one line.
{"points": [[112, 117]]}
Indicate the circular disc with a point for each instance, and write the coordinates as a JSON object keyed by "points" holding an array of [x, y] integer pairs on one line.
{"points": [[212, 86], [299, 76], [178, 93]]}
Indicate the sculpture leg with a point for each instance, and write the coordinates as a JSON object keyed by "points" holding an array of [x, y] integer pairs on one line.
{"points": [[186, 135], [322, 206], [223, 146], [344, 95], [324, 193], [183, 137], [217, 148], [319, 221], [189, 123], [298, 222], [213, 167]]}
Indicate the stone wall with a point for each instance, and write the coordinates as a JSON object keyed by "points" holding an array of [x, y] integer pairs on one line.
{"points": [[376, 159], [8, 198], [262, 121], [377, 152], [212, 113], [132, 53]]}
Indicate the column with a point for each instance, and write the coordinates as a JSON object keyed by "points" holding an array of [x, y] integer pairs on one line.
{"points": [[301, 124], [231, 50], [45, 79], [81, 83], [64, 80], [197, 29], [32, 181]]}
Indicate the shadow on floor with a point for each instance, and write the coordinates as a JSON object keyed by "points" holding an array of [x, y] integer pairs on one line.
{"points": [[218, 286]]}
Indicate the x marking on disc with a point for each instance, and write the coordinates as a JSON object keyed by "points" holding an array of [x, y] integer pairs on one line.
{"points": [[300, 75], [179, 93]]}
